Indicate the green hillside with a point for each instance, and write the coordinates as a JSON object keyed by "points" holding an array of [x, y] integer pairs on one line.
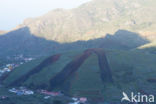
{"points": [[131, 71]]}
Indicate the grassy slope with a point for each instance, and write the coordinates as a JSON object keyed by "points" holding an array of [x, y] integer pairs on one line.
{"points": [[22, 70], [50, 70], [87, 78], [130, 71]]}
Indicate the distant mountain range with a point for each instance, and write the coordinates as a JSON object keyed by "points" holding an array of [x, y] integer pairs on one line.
{"points": [[112, 24]]}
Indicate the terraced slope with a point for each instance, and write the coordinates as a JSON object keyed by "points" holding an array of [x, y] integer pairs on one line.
{"points": [[130, 71], [74, 65], [37, 69], [69, 69]]}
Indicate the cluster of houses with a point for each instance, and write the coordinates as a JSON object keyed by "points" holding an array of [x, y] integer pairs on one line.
{"points": [[81, 100], [21, 91], [24, 91], [9, 67], [3, 97], [20, 57], [49, 94]]}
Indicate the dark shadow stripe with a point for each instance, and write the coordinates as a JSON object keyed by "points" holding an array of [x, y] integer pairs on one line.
{"points": [[35, 70], [74, 65]]}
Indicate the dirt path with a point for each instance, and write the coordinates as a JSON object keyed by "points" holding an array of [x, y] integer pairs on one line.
{"points": [[74, 65], [35, 70]]}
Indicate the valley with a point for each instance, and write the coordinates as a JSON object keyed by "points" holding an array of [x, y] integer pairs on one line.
{"points": [[127, 75]]}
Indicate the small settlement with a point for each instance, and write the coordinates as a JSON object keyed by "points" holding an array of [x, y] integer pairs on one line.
{"points": [[81, 100], [47, 95], [18, 60], [21, 91]]}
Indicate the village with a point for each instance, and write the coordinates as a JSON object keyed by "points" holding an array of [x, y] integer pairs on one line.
{"points": [[18, 60], [23, 91]]}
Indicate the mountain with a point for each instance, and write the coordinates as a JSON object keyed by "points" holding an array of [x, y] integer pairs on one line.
{"points": [[107, 24], [95, 19], [99, 75], [21, 41]]}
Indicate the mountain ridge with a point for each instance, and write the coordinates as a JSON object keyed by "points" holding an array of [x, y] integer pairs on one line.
{"points": [[94, 19], [2, 32], [23, 42], [91, 25]]}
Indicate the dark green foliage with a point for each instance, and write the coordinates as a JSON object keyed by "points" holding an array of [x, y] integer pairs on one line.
{"points": [[50, 60], [131, 71], [57, 102]]}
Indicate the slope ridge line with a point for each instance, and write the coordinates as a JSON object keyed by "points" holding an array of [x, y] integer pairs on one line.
{"points": [[74, 65]]}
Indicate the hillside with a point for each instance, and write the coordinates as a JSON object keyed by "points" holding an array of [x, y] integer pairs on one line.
{"points": [[128, 75], [23, 42], [97, 24], [98, 50], [95, 19]]}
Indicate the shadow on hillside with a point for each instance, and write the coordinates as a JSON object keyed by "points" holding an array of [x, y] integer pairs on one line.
{"points": [[21, 41]]}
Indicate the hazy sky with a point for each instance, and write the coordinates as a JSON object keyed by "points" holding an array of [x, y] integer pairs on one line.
{"points": [[13, 12]]}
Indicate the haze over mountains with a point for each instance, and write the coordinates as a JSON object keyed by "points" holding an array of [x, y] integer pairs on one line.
{"points": [[91, 21]]}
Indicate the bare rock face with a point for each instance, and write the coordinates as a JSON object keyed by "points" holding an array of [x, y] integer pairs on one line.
{"points": [[94, 19]]}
